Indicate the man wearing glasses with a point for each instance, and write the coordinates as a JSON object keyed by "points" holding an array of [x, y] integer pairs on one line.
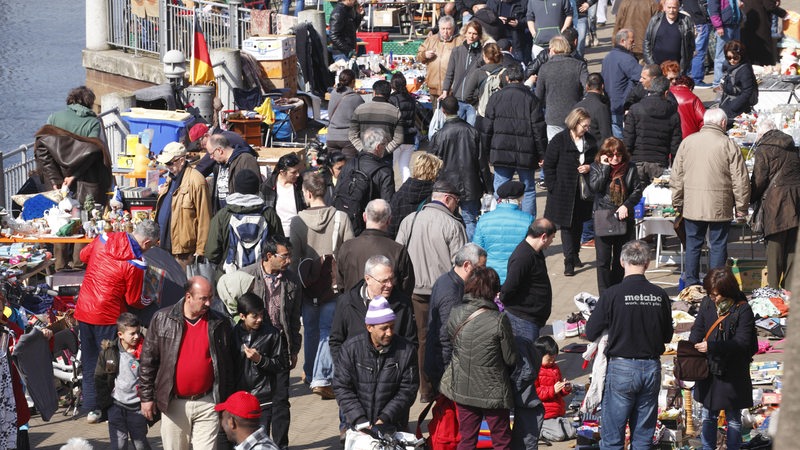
{"points": [[229, 161], [183, 210], [282, 295], [351, 311]]}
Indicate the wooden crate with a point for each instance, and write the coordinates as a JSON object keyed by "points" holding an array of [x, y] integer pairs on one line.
{"points": [[280, 69], [250, 129]]}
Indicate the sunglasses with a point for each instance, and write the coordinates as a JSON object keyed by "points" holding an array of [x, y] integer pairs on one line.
{"points": [[733, 57], [173, 162]]}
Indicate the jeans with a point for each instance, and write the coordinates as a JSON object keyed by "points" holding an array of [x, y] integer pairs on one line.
{"points": [[318, 362], [602, 5], [124, 423], [527, 177], [708, 434], [469, 425], [616, 124], [717, 246], [91, 336], [583, 28], [588, 231], [528, 409], [301, 5], [470, 210], [630, 397], [729, 34], [698, 70], [467, 113], [338, 56]]}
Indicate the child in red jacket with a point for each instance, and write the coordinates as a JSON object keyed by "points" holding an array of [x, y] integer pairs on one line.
{"points": [[551, 388]]}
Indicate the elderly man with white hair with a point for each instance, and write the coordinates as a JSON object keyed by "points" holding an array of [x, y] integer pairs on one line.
{"points": [[435, 54], [709, 182]]}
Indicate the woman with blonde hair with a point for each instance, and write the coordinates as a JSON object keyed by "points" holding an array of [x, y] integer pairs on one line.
{"points": [[416, 190], [566, 169]]}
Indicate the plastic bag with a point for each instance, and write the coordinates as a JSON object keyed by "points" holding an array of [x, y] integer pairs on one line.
{"points": [[201, 267], [437, 122]]}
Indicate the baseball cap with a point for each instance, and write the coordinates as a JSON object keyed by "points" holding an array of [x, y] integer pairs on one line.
{"points": [[197, 131], [241, 404], [170, 152]]}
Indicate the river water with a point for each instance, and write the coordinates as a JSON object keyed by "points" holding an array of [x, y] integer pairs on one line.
{"points": [[40, 61]]}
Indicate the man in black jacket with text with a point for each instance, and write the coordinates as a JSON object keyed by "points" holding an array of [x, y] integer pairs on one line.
{"points": [[638, 318]]}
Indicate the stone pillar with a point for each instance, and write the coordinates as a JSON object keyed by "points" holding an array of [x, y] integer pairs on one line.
{"points": [[97, 25], [228, 72]]}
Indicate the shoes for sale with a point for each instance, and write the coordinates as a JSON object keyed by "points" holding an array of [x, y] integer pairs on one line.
{"points": [[576, 325]]}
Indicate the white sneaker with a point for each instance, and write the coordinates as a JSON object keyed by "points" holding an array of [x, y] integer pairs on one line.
{"points": [[94, 416]]}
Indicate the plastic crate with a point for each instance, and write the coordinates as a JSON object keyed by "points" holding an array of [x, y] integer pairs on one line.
{"points": [[374, 40], [401, 47], [168, 126]]}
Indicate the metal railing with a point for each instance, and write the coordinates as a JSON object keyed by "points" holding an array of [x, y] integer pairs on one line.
{"points": [[17, 173], [172, 27]]}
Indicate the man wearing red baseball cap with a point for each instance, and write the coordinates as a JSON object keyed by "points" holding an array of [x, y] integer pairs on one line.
{"points": [[240, 421]]}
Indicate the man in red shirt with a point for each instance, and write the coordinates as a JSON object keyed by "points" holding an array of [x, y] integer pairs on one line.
{"points": [[186, 368]]}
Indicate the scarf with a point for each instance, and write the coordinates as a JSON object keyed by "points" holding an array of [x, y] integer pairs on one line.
{"points": [[616, 188], [724, 306]]}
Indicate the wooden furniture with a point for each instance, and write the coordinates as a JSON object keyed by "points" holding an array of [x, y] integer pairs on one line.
{"points": [[250, 129]]}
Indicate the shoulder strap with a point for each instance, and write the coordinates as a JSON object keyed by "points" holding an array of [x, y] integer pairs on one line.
{"points": [[719, 319], [474, 314], [337, 222], [411, 230]]}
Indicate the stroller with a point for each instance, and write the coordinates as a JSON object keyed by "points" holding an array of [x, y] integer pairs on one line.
{"points": [[67, 366]]}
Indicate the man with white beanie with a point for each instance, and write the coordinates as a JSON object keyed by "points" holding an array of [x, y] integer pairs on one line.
{"points": [[377, 377]]}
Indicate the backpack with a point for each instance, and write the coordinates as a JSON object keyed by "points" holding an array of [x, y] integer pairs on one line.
{"points": [[443, 427], [490, 85], [352, 198], [318, 275], [246, 232]]}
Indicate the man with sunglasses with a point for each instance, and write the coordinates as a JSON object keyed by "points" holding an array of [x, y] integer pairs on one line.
{"points": [[183, 210]]}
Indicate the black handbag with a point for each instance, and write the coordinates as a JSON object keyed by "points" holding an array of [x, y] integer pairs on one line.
{"points": [[583, 186], [606, 224]]}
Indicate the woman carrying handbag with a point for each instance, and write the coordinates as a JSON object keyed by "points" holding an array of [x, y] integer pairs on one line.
{"points": [[617, 189], [566, 169], [729, 348]]}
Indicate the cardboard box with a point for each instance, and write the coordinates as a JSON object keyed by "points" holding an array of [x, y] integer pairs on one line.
{"points": [[270, 155], [125, 162], [748, 272], [280, 83], [280, 69], [270, 48], [299, 117], [386, 18]]}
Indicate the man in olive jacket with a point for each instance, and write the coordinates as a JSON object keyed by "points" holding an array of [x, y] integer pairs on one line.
{"points": [[176, 378]]}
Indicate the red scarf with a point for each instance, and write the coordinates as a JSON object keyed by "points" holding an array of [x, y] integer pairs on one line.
{"points": [[616, 187]]}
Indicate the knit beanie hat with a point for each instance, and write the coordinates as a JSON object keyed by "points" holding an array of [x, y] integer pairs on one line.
{"points": [[246, 182], [379, 312]]}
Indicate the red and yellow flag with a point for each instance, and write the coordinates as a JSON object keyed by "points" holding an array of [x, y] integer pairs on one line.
{"points": [[202, 73]]}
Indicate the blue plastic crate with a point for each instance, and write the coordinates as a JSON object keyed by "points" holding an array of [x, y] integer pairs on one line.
{"points": [[165, 131]]}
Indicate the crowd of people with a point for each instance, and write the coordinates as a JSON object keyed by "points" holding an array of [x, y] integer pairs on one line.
{"points": [[419, 291]]}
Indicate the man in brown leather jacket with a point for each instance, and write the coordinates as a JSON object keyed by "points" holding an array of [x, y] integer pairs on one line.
{"points": [[186, 368]]}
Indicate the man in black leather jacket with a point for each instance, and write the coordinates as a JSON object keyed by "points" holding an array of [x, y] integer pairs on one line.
{"points": [[466, 163], [345, 20]]}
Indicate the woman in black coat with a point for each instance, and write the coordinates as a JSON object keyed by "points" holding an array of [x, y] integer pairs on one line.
{"points": [[568, 158], [415, 191], [738, 82], [757, 30], [729, 347], [616, 186]]}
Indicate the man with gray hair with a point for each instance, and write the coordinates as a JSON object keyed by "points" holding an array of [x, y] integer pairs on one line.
{"points": [[351, 308], [380, 114], [621, 70], [432, 236], [447, 292], [374, 240], [637, 316], [709, 180], [652, 131], [435, 54], [363, 178]]}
